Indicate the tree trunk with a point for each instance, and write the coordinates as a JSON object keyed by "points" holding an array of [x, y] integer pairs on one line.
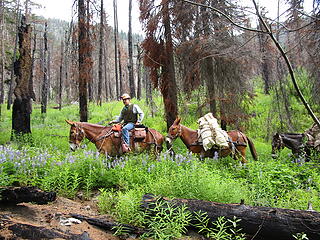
{"points": [[44, 91], [83, 66], [115, 17], [89, 55], [61, 76], [208, 66], [10, 92], [107, 79], [121, 83], [99, 97], [22, 104], [15, 195], [2, 24], [169, 85], [139, 86], [130, 51], [263, 223]]}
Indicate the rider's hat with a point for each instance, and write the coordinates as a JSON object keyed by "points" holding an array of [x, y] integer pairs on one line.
{"points": [[125, 96]]}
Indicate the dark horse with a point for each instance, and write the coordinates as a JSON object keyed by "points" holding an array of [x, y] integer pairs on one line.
{"points": [[108, 141], [238, 142], [296, 142]]}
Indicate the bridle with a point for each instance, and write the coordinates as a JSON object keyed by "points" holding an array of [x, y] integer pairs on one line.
{"points": [[78, 135], [178, 134]]}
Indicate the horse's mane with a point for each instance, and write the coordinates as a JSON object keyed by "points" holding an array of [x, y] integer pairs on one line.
{"points": [[90, 124]]}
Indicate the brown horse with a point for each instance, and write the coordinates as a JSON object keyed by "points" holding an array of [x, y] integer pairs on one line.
{"points": [[108, 141], [238, 142]]}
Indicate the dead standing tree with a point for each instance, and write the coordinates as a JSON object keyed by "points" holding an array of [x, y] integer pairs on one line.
{"points": [[158, 56], [85, 61], [130, 51], [23, 91], [283, 54], [44, 89]]}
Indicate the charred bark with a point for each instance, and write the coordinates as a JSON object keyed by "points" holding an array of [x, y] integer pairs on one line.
{"points": [[83, 65], [99, 98], [44, 89], [107, 225], [23, 91], [169, 85], [26, 231], [260, 222], [15, 195], [130, 51]]}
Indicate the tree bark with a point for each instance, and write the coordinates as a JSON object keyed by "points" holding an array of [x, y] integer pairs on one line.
{"points": [[44, 90], [61, 76], [106, 225], [89, 55], [169, 85], [115, 17], [20, 230], [23, 91], [139, 85], [83, 65], [263, 223], [15, 195], [10, 92], [2, 24], [99, 97], [130, 51]]}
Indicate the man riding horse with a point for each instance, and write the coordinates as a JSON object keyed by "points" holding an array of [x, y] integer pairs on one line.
{"points": [[131, 115]]}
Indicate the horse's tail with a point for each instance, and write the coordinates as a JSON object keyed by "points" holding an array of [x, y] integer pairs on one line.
{"points": [[252, 149]]}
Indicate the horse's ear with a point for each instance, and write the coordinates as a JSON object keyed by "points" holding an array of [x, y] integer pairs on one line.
{"points": [[177, 121], [70, 122]]}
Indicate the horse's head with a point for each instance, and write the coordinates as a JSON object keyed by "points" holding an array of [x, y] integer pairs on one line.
{"points": [[174, 131], [76, 135], [277, 144]]}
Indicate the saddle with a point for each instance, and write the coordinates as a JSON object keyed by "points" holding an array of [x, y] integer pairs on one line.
{"points": [[139, 132]]}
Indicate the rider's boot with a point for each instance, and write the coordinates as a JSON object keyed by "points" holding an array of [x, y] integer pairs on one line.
{"points": [[125, 148]]}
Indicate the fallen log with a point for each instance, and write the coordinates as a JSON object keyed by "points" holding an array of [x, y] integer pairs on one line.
{"points": [[15, 195], [259, 222], [108, 225], [10, 229]]}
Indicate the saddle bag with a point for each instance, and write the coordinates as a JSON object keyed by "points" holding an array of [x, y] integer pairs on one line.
{"points": [[139, 134]]}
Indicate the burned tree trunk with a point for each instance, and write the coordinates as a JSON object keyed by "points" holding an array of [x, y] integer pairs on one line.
{"points": [[130, 51], [44, 90], [23, 91], [61, 76], [15, 195], [18, 230], [169, 85], [99, 98], [83, 65], [13, 61], [139, 84], [261, 222]]}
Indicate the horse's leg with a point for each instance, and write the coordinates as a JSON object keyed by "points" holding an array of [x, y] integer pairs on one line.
{"points": [[241, 152]]}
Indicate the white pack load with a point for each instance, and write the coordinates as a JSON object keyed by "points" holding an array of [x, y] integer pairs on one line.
{"points": [[211, 134]]}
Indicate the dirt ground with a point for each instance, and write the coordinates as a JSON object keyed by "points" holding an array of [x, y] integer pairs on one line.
{"points": [[51, 216]]}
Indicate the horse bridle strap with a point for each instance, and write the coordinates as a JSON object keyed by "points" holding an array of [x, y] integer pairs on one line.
{"points": [[104, 136]]}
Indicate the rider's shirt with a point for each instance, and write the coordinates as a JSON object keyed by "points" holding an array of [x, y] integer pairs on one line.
{"points": [[131, 113]]}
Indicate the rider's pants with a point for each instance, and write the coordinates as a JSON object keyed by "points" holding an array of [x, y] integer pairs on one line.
{"points": [[125, 132]]}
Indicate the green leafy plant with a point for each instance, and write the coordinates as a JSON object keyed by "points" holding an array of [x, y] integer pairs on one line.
{"points": [[221, 229]]}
